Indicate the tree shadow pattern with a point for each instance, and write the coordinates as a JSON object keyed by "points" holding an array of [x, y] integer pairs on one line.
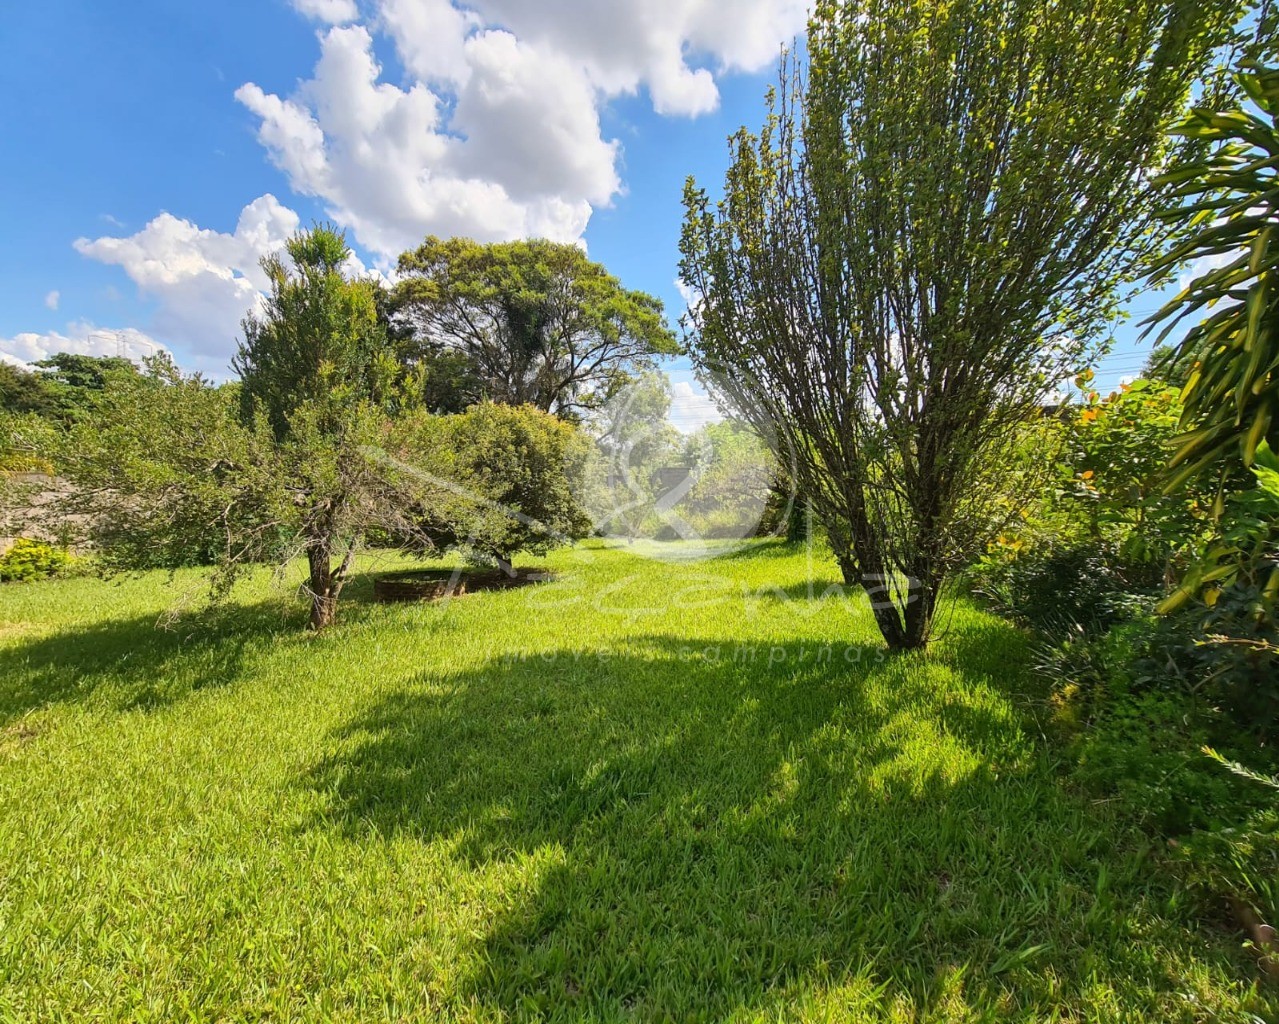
{"points": [[717, 833], [135, 662], [150, 661]]}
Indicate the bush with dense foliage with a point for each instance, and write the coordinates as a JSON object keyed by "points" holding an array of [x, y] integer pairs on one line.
{"points": [[1102, 541], [1101, 549], [1116, 448], [1061, 589], [503, 480], [1152, 571], [32, 560], [1137, 694]]}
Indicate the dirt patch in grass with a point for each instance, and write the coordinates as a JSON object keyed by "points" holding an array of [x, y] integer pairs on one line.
{"points": [[9, 630], [16, 735]]}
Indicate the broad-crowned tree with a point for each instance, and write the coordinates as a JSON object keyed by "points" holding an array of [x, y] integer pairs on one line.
{"points": [[433, 375], [22, 391], [539, 322], [930, 232], [502, 479], [61, 387]]}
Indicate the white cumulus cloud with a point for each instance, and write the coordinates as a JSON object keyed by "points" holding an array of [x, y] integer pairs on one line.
{"points": [[691, 407], [202, 281], [332, 12], [82, 338], [521, 156], [674, 48], [496, 133]]}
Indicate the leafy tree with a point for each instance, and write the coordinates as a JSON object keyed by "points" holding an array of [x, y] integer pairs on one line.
{"points": [[1164, 366], [318, 344], [90, 373], [1229, 200], [646, 479], [61, 387], [22, 391], [539, 323], [1116, 447], [433, 376], [447, 381], [318, 368], [930, 232], [508, 477]]}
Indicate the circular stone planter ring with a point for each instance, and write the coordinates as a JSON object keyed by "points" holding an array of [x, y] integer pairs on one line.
{"points": [[434, 584]]}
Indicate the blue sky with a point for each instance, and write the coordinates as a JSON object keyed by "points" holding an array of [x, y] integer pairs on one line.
{"points": [[139, 137]]}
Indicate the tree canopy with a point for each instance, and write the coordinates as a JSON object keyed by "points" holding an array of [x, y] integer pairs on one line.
{"points": [[539, 322], [61, 387], [930, 232], [318, 343], [22, 391], [319, 445]]}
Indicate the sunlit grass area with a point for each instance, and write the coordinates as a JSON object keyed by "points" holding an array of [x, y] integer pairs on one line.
{"points": [[644, 791]]}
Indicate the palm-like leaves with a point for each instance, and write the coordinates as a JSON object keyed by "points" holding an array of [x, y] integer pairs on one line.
{"points": [[1231, 197]]}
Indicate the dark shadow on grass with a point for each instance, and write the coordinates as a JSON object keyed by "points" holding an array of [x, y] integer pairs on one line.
{"points": [[142, 662], [699, 836], [478, 743], [986, 646]]}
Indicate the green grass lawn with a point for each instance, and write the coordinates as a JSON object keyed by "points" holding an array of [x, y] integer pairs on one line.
{"points": [[644, 792]]}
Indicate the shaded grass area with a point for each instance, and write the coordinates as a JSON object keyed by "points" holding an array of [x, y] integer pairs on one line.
{"points": [[641, 792]]}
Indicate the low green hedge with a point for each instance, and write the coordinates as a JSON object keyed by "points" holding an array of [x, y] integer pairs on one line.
{"points": [[33, 560]]}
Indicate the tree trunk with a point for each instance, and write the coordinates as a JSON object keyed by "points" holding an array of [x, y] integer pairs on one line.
{"points": [[903, 629], [799, 524], [919, 614], [887, 618], [324, 588]]}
